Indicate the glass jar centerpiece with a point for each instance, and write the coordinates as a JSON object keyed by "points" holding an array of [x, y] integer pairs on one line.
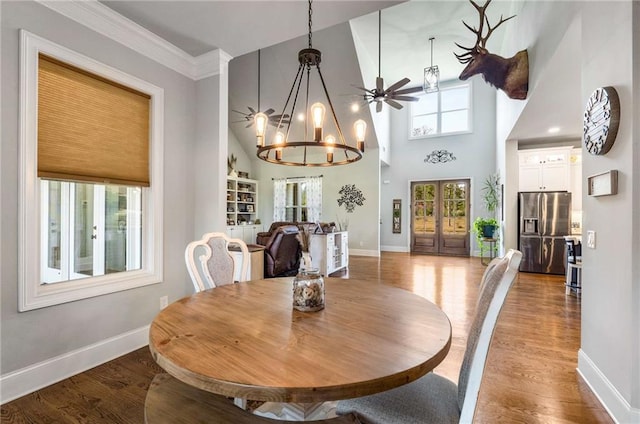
{"points": [[308, 290]]}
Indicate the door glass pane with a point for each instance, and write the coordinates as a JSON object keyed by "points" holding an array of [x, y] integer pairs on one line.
{"points": [[55, 224], [83, 229], [115, 231], [424, 221]]}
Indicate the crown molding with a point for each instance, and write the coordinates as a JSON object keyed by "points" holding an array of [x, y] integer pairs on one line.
{"points": [[98, 17], [211, 63]]}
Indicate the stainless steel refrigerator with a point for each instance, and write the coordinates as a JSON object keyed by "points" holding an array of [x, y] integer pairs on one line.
{"points": [[544, 220]]}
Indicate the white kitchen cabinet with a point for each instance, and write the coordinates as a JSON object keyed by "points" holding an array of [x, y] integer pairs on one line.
{"points": [[246, 233], [544, 169], [329, 251]]}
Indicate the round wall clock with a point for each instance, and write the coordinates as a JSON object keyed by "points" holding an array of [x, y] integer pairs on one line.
{"points": [[601, 118]]}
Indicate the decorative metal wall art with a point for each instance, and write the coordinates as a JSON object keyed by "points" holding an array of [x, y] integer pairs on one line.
{"points": [[350, 196], [439, 156]]}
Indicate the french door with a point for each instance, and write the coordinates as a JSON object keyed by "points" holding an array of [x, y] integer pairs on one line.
{"points": [[440, 217], [88, 230]]}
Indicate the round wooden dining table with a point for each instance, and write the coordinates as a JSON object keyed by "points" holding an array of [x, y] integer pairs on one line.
{"points": [[246, 341]]}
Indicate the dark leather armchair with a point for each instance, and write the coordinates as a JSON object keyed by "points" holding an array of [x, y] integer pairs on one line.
{"points": [[282, 252]]}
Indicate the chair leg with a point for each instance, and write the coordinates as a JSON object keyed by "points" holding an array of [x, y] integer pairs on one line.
{"points": [[567, 282]]}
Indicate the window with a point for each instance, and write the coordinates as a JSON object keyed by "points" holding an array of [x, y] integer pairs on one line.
{"points": [[88, 230], [445, 112], [296, 204], [297, 199], [90, 220]]}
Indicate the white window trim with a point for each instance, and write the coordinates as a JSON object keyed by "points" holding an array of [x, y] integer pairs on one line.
{"points": [[31, 293], [445, 86]]}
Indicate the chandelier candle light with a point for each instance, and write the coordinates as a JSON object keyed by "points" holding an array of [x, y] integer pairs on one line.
{"points": [[294, 153], [431, 74]]}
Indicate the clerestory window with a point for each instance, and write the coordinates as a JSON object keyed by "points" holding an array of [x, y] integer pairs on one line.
{"points": [[444, 112]]}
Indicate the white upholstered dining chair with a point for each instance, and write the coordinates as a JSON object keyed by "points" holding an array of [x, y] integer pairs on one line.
{"points": [[210, 264], [435, 399]]}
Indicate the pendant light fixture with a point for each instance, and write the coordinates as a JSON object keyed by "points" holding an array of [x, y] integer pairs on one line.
{"points": [[315, 148], [431, 74]]}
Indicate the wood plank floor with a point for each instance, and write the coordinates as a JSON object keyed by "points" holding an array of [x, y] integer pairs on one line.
{"points": [[531, 373]]}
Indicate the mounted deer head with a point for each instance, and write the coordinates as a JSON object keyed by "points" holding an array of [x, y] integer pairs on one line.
{"points": [[510, 75]]}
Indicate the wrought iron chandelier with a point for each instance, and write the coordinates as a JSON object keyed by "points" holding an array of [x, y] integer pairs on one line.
{"points": [[431, 74], [315, 149]]}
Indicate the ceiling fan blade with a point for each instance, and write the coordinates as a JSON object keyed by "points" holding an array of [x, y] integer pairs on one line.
{"points": [[363, 89], [379, 107], [409, 90], [404, 98], [269, 111], [379, 84], [393, 103], [237, 111], [252, 110], [397, 85]]}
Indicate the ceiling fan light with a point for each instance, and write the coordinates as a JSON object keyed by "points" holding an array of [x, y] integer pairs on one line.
{"points": [[431, 79]]}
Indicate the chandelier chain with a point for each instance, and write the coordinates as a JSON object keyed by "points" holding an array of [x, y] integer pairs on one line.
{"points": [[310, 22]]}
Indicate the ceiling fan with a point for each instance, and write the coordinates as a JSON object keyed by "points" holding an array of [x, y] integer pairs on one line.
{"points": [[392, 94], [276, 120]]}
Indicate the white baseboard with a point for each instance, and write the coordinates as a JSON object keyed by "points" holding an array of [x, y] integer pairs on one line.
{"points": [[399, 249], [611, 399], [362, 252], [34, 377]]}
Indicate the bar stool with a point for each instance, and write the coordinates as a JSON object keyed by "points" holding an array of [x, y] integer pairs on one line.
{"points": [[574, 262]]}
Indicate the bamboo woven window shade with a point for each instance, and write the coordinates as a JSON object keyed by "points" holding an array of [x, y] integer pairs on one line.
{"points": [[90, 129]]}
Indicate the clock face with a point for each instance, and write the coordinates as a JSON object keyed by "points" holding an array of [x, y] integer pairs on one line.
{"points": [[601, 118]]}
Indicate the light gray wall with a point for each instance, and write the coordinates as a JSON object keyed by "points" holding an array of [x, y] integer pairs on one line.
{"points": [[475, 159], [244, 162], [610, 277], [609, 357], [34, 336], [210, 156]]}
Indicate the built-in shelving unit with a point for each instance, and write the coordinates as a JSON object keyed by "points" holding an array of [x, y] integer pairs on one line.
{"points": [[242, 209]]}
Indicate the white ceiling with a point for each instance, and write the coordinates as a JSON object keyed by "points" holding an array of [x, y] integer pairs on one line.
{"points": [[240, 28]]}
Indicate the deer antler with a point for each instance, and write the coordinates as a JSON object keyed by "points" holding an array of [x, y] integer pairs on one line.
{"points": [[481, 41]]}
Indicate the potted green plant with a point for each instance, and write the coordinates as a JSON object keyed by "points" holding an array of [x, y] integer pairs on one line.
{"points": [[485, 228]]}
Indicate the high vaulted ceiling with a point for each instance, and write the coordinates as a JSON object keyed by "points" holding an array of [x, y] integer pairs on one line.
{"points": [[240, 28]]}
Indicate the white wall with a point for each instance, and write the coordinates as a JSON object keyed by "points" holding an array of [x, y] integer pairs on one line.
{"points": [[475, 159], [37, 336]]}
